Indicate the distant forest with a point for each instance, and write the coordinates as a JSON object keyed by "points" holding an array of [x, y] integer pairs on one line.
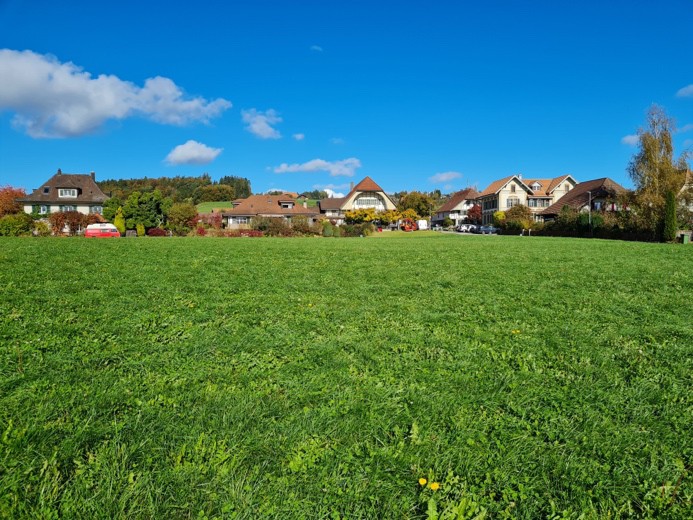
{"points": [[181, 189]]}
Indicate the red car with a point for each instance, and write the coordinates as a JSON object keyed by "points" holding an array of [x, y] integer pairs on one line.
{"points": [[101, 231]]}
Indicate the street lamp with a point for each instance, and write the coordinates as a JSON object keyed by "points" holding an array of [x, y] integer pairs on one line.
{"points": [[589, 216]]}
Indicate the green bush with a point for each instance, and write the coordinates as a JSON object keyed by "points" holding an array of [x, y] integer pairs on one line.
{"points": [[16, 225], [140, 230], [327, 229], [41, 229]]}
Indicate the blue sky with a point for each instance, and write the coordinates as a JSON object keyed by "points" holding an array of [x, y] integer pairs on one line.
{"points": [[299, 95]]}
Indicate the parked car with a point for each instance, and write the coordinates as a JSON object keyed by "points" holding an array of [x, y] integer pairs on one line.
{"points": [[466, 228], [101, 231], [488, 230]]}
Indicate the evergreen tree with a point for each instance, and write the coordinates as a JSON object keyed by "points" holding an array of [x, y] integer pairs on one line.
{"points": [[670, 224]]}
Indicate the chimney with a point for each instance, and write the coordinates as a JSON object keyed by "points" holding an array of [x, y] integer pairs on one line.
{"points": [[60, 172], [519, 176], [351, 186], [305, 204], [92, 174]]}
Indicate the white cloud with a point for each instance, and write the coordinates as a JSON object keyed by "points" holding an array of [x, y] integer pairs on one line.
{"points": [[260, 123], [331, 186], [685, 128], [440, 178], [299, 137], [337, 140], [316, 48], [347, 167], [192, 152], [54, 99], [333, 194], [631, 140], [685, 91]]}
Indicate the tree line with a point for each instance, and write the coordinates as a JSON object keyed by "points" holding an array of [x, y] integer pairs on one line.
{"points": [[181, 189]]}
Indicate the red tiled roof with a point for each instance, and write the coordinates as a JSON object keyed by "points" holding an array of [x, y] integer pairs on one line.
{"points": [[496, 186], [541, 192], [268, 205], [579, 196], [555, 182], [457, 198], [367, 184]]}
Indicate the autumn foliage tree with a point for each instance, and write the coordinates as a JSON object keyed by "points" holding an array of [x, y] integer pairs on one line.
{"points": [[654, 169], [8, 200]]}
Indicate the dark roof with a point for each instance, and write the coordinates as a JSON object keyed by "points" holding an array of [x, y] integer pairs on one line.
{"points": [[579, 196], [331, 203], [268, 205], [87, 190], [457, 198]]}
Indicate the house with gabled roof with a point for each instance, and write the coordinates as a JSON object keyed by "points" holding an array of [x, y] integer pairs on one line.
{"points": [[366, 194], [457, 206], [536, 194], [66, 192], [272, 206], [594, 195]]}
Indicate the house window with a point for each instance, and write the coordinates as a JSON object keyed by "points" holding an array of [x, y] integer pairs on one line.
{"points": [[287, 205], [96, 209], [43, 210], [532, 203], [369, 200], [566, 187], [597, 205], [68, 207], [512, 201], [536, 186], [67, 192], [238, 220], [46, 189], [512, 188]]}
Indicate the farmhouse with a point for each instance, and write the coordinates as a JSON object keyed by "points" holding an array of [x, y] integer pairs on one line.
{"points": [[66, 192], [456, 208], [366, 194], [537, 194], [597, 195], [273, 206]]}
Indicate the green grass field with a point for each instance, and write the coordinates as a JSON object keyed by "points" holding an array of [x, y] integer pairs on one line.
{"points": [[322, 378], [208, 207]]}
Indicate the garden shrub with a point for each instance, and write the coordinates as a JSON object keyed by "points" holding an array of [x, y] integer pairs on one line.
{"points": [[327, 229], [200, 231], [41, 229], [156, 232], [272, 226], [140, 230], [16, 224]]}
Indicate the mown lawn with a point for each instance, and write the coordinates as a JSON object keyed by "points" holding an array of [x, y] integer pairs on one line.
{"points": [[322, 378]]}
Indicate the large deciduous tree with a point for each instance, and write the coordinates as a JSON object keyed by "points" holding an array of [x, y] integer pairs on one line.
{"points": [[421, 203], [8, 200], [654, 169]]}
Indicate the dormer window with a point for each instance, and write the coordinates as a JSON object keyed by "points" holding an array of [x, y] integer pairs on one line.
{"points": [[287, 205], [536, 186], [67, 193], [46, 190]]}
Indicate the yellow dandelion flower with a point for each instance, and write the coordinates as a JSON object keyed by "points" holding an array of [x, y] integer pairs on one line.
{"points": [[435, 486], [422, 481]]}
